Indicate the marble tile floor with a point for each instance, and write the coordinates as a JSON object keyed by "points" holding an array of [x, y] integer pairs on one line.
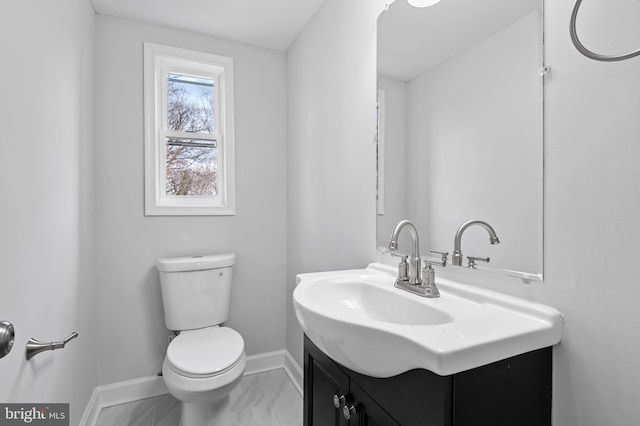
{"points": [[262, 399]]}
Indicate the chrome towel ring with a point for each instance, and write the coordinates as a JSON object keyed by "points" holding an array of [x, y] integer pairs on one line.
{"points": [[586, 52]]}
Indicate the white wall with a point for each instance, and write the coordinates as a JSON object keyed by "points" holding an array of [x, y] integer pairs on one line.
{"points": [[133, 337], [332, 99], [46, 286], [592, 196], [592, 205]]}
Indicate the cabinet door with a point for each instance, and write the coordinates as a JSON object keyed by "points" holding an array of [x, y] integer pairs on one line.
{"points": [[514, 391], [368, 412], [322, 382]]}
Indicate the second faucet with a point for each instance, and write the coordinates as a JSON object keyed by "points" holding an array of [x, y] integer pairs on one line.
{"points": [[456, 257]]}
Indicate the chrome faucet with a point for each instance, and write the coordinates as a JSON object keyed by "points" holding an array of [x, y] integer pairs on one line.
{"points": [[410, 276], [414, 277], [456, 258]]}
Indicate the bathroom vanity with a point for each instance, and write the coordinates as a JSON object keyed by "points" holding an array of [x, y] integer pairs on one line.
{"points": [[377, 355], [515, 391]]}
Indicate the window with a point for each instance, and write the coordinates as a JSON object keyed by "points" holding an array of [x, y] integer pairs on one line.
{"points": [[189, 146]]}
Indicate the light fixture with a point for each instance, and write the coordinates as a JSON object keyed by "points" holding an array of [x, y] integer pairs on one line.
{"points": [[422, 3]]}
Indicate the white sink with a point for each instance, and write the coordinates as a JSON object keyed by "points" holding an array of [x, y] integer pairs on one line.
{"points": [[359, 299], [362, 321]]}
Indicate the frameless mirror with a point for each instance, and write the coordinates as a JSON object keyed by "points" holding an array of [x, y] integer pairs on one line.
{"points": [[460, 131]]}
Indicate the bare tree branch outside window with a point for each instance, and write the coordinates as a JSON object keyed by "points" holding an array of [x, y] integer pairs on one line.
{"points": [[192, 166]]}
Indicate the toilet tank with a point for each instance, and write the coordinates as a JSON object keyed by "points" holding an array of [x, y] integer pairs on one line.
{"points": [[196, 290]]}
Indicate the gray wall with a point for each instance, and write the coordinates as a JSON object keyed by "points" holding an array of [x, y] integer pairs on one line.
{"points": [[130, 319], [592, 195], [592, 204], [50, 287], [46, 274], [331, 186]]}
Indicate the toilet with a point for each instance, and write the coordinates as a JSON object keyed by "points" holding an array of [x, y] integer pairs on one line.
{"points": [[206, 360]]}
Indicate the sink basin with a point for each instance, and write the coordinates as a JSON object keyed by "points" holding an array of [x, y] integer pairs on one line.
{"points": [[358, 318], [359, 300]]}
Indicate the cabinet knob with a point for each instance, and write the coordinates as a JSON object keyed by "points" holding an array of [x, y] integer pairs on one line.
{"points": [[338, 400], [349, 411]]}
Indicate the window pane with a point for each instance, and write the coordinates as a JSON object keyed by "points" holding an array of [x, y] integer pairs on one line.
{"points": [[190, 104], [192, 167]]}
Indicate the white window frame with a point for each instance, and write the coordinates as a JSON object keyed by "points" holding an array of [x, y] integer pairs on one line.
{"points": [[160, 60]]}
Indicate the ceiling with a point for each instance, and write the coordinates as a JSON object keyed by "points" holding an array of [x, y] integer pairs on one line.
{"points": [[404, 32], [412, 40], [273, 24]]}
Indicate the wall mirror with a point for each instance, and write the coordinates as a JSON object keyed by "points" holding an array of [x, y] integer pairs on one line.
{"points": [[460, 127]]}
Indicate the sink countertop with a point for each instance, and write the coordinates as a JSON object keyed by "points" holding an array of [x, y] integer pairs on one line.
{"points": [[358, 318]]}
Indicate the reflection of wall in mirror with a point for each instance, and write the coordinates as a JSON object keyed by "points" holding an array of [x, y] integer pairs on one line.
{"points": [[474, 148], [395, 159]]}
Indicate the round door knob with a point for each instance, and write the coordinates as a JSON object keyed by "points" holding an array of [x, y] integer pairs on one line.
{"points": [[348, 412], [338, 400], [7, 336]]}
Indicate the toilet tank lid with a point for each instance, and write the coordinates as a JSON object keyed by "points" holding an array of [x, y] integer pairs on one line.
{"points": [[195, 263]]}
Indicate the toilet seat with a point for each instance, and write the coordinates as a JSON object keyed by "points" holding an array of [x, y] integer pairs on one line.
{"points": [[206, 352]]}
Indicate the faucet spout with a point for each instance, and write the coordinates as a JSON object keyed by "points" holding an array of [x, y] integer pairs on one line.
{"points": [[457, 242], [393, 242], [414, 259]]}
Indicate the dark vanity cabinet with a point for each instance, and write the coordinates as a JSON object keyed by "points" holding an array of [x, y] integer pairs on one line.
{"points": [[511, 392], [332, 398]]}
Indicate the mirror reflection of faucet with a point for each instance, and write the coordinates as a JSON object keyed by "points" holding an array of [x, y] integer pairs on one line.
{"points": [[471, 261], [456, 258]]}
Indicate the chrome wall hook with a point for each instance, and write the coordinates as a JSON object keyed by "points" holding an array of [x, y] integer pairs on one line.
{"points": [[34, 347]]}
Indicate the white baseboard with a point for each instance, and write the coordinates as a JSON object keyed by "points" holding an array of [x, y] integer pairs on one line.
{"points": [[274, 360], [149, 387], [121, 393], [295, 372]]}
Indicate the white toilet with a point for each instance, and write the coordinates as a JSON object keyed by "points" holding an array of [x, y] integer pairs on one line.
{"points": [[206, 360]]}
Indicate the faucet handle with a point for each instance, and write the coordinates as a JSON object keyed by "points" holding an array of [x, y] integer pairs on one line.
{"points": [[471, 261], [443, 254], [443, 258], [403, 266], [398, 254]]}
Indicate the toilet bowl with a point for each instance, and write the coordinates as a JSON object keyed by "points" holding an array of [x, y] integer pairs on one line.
{"points": [[202, 378], [205, 361]]}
